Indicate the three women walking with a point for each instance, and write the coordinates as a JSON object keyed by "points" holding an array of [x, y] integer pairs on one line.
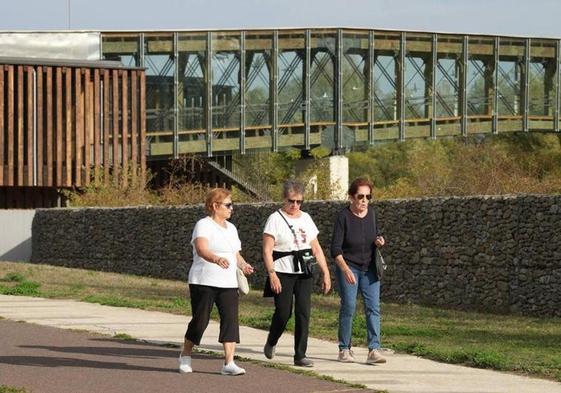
{"points": [[290, 251]]}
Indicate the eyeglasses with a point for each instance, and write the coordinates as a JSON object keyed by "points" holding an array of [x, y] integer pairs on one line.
{"points": [[293, 201], [228, 205], [360, 197]]}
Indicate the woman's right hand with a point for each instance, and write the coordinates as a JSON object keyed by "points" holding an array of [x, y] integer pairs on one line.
{"points": [[222, 262], [275, 283], [349, 276]]}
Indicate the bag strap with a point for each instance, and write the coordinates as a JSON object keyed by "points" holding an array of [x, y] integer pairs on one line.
{"points": [[291, 228], [295, 259]]}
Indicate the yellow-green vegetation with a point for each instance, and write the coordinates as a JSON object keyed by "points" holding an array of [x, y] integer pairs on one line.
{"points": [[503, 342], [494, 165], [478, 165], [12, 389]]}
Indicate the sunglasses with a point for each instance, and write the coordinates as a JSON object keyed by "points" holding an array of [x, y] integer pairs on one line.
{"points": [[297, 201], [228, 205], [360, 197]]}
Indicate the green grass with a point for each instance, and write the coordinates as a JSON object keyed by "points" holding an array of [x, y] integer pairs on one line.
{"points": [[11, 389], [525, 345]]}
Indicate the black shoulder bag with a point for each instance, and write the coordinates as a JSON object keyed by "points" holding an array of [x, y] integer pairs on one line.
{"points": [[380, 263]]}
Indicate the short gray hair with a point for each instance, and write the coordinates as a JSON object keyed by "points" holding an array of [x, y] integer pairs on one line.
{"points": [[292, 185]]}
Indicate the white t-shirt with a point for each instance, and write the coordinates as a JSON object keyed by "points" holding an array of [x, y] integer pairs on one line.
{"points": [[223, 242], [305, 229]]}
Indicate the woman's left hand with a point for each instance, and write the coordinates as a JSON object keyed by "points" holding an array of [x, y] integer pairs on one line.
{"points": [[380, 241], [247, 269]]}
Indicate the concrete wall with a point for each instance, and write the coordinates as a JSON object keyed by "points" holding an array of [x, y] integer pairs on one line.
{"points": [[15, 234], [490, 253]]}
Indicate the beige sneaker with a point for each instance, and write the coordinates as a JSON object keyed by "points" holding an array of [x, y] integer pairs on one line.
{"points": [[374, 356], [346, 356]]}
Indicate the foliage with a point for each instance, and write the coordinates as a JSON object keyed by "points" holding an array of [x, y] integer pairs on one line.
{"points": [[479, 165], [11, 389], [22, 286], [504, 164]]}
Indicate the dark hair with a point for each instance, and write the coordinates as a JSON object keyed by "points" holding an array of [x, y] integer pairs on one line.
{"points": [[359, 182]]}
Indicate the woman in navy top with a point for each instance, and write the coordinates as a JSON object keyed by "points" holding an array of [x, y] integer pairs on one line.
{"points": [[353, 246]]}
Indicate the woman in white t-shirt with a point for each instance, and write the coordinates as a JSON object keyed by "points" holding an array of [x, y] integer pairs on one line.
{"points": [[289, 238], [212, 280]]}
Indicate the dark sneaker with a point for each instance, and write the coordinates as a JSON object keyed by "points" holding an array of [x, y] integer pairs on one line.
{"points": [[269, 350], [304, 362]]}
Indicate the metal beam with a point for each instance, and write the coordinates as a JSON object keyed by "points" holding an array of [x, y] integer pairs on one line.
{"points": [[401, 85], [275, 92], [175, 96], [463, 89], [243, 78], [307, 88], [496, 60], [526, 86], [208, 104], [557, 86], [141, 50], [339, 92], [370, 88], [434, 66]]}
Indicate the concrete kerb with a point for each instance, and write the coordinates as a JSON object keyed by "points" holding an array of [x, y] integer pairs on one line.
{"points": [[402, 373]]}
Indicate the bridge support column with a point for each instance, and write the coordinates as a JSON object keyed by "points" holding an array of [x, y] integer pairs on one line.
{"points": [[336, 176]]}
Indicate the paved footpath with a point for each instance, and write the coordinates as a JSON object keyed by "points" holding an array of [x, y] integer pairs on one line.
{"points": [[402, 373]]}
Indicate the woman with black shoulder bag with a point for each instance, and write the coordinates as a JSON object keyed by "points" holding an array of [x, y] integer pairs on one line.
{"points": [[290, 250]]}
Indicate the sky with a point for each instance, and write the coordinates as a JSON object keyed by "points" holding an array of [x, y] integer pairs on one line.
{"points": [[536, 18]]}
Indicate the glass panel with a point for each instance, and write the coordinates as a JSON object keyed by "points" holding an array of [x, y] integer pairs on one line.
{"points": [[386, 48], [541, 78], [355, 88], [259, 49], [290, 88], [480, 90], [416, 89], [226, 90], [160, 69], [322, 88], [191, 92], [123, 48], [510, 82], [450, 50]]}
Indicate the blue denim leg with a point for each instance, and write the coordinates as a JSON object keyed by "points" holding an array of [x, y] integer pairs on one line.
{"points": [[348, 294], [369, 287]]}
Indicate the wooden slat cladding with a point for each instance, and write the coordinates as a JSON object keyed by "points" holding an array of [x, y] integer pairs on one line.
{"points": [[63, 126]]}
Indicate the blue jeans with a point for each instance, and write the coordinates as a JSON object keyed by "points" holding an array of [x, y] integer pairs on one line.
{"points": [[368, 285]]}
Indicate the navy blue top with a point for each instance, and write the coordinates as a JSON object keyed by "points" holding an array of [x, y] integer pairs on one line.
{"points": [[354, 237]]}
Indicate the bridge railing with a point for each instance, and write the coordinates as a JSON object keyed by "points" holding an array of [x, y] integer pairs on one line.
{"points": [[222, 92]]}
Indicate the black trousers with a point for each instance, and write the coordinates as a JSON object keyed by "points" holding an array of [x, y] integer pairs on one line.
{"points": [[297, 289], [203, 298]]}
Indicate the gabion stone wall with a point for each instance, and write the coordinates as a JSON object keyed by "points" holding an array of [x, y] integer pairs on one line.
{"points": [[500, 254]]}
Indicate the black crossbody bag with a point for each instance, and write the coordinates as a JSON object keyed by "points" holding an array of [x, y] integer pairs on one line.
{"points": [[380, 263], [304, 260]]}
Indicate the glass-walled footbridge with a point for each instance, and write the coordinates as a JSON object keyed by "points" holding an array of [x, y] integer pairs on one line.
{"points": [[227, 92]]}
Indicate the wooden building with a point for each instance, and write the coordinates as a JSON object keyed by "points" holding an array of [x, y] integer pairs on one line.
{"points": [[64, 124]]}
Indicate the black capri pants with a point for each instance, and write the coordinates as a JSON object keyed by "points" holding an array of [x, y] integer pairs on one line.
{"points": [[203, 298]]}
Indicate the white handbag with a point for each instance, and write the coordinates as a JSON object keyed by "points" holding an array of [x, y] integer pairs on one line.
{"points": [[243, 284]]}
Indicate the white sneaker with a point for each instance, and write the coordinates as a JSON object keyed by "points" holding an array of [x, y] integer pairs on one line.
{"points": [[185, 364], [232, 369]]}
